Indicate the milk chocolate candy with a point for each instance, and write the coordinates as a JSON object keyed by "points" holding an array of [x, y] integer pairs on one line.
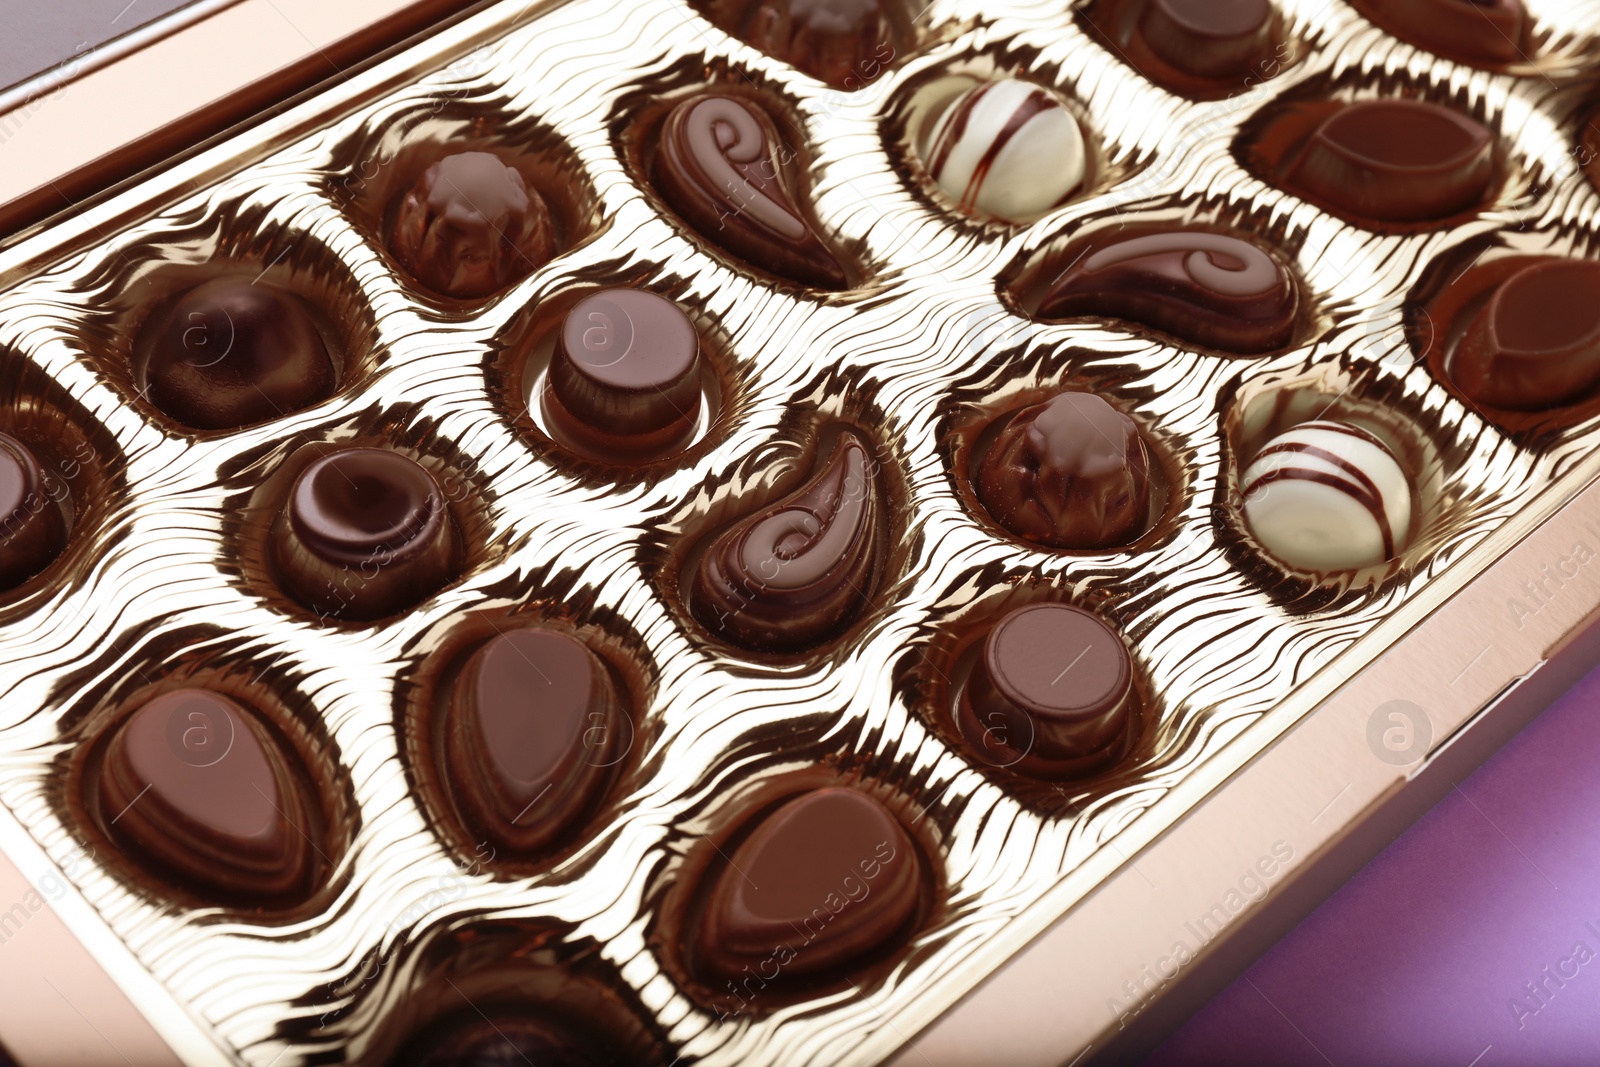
{"points": [[846, 43], [501, 1037], [717, 164], [471, 225], [33, 530], [1535, 343], [233, 353], [1482, 32], [366, 532], [1209, 38], [827, 880]]}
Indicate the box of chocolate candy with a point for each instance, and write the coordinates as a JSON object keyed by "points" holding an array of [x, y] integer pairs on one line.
{"points": [[658, 532]]}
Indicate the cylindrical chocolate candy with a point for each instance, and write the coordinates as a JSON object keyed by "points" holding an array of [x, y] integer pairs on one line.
{"points": [[1209, 38]]}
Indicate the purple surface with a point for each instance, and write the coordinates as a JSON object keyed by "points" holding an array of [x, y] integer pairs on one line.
{"points": [[1468, 941]]}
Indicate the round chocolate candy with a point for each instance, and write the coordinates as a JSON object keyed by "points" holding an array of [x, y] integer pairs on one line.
{"points": [[198, 788], [827, 880], [1490, 32], [1053, 683], [1209, 38], [500, 1038], [1395, 160], [1206, 288], [1072, 472], [533, 724], [717, 165], [1535, 343], [625, 376], [471, 226], [366, 532], [1009, 149], [33, 530], [1328, 496], [233, 353], [846, 43]]}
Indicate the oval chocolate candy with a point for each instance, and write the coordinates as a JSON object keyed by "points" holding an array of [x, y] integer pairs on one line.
{"points": [[33, 529]]}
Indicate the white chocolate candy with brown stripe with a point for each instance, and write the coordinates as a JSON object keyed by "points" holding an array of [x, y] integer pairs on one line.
{"points": [[1009, 148], [1328, 496]]}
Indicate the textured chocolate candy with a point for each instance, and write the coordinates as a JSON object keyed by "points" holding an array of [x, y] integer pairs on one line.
{"points": [[33, 530], [793, 573], [626, 374], [1209, 38], [1072, 472], [496, 1037], [232, 353], [197, 788], [471, 226], [1394, 160], [1489, 32], [1007, 148], [366, 532], [1535, 342], [717, 164], [1206, 288], [1053, 683], [533, 724], [846, 43], [828, 879]]}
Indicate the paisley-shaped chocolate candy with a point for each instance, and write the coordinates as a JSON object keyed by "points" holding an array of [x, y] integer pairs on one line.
{"points": [[198, 788], [471, 226], [1206, 288], [496, 1037], [1394, 160], [1072, 472], [1490, 32], [533, 723], [33, 530], [846, 43], [717, 164], [794, 572], [829, 878], [1535, 343], [232, 353], [1209, 38], [366, 532]]}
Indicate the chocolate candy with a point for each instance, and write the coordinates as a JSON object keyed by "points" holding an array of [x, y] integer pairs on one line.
{"points": [[1489, 32], [198, 788], [532, 725], [1206, 288], [498, 1038], [846, 43], [825, 881], [1010, 149], [1209, 38], [626, 375], [471, 226], [366, 532], [1394, 161], [717, 164], [33, 531], [1328, 496], [793, 573], [1535, 342], [232, 353], [1072, 472], [1054, 683]]}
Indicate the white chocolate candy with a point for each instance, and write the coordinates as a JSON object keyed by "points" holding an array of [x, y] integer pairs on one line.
{"points": [[1010, 148], [1328, 496]]}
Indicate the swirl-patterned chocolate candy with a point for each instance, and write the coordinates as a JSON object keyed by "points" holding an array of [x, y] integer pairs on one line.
{"points": [[1206, 288], [1328, 496], [718, 165]]}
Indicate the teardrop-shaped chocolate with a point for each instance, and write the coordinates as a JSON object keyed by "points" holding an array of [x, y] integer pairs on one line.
{"points": [[793, 573], [497, 1038], [196, 786], [533, 725], [1471, 31], [826, 880], [1209, 38], [717, 164], [846, 43], [33, 530], [1206, 288], [1395, 160]]}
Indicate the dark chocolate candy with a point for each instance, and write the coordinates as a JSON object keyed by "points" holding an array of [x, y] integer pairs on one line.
{"points": [[1053, 683], [1394, 160], [1209, 38], [496, 1038], [717, 163], [794, 572], [846, 43], [197, 787], [232, 353], [626, 373], [471, 226], [1471, 31], [366, 532], [532, 726], [1072, 472], [1535, 343], [829, 878], [33, 530], [1206, 288]]}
